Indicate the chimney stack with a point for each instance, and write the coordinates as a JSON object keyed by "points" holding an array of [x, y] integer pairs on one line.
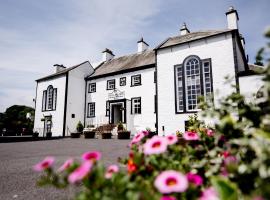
{"points": [[107, 55], [232, 18], [59, 68], [184, 30], [142, 45]]}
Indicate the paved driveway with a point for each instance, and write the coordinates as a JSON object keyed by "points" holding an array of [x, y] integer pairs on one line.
{"points": [[17, 180]]}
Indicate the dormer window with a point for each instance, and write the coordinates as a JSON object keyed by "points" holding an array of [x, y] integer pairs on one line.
{"points": [[49, 99]]}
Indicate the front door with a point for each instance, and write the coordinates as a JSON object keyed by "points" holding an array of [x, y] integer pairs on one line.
{"points": [[47, 125], [117, 113]]}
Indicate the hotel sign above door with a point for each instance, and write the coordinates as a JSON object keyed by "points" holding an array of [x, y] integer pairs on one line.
{"points": [[116, 94]]}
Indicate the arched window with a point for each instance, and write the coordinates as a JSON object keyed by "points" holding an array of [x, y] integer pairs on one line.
{"points": [[193, 79], [49, 98], [193, 83]]}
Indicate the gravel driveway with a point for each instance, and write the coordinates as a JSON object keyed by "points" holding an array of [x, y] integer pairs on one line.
{"points": [[17, 180]]}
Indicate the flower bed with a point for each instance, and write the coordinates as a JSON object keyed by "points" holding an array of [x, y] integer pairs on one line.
{"points": [[228, 161]]}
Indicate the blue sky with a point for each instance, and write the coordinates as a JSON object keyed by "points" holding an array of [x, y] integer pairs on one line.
{"points": [[36, 34]]}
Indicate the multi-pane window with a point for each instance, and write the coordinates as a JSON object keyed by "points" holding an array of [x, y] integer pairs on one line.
{"points": [[136, 80], [192, 79], [136, 105], [207, 80], [122, 81], [111, 84], [92, 87], [49, 99], [91, 109], [179, 86], [193, 85]]}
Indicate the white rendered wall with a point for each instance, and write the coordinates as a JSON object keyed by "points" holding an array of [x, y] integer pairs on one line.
{"points": [[249, 86], [76, 96], [58, 114], [218, 48], [146, 91]]}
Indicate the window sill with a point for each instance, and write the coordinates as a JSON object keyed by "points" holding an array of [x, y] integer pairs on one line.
{"points": [[135, 85]]}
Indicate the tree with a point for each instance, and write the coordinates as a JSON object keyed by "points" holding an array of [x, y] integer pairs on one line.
{"points": [[14, 118]]}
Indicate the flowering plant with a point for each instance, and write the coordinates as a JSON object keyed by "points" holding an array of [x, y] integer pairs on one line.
{"points": [[231, 160]]}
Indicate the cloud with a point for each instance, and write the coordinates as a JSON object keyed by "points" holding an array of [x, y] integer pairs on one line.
{"points": [[37, 34]]}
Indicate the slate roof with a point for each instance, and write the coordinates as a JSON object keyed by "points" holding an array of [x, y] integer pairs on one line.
{"points": [[125, 63], [62, 72], [190, 37]]}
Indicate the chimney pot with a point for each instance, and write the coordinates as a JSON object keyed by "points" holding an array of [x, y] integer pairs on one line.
{"points": [[59, 68], [142, 45], [184, 30], [232, 18], [107, 55]]}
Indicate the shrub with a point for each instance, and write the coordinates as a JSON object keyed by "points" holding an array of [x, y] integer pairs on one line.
{"points": [[79, 127]]}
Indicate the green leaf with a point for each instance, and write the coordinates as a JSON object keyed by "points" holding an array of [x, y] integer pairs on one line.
{"points": [[225, 188]]}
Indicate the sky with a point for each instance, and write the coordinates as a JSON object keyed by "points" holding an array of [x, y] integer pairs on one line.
{"points": [[36, 34]]}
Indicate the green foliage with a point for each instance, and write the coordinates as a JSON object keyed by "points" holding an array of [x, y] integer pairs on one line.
{"points": [[79, 126], [14, 118]]}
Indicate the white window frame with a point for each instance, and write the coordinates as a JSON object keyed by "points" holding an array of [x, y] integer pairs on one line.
{"points": [[201, 82], [111, 84], [136, 80], [92, 88], [91, 109], [136, 105]]}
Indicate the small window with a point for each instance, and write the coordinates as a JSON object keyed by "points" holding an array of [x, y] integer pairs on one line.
{"points": [[136, 80], [123, 81], [111, 84], [136, 105], [92, 87], [91, 109], [72, 115]]}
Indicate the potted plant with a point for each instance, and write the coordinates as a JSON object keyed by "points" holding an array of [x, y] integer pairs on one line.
{"points": [[35, 134], [120, 126], [49, 134], [150, 132], [106, 135], [123, 133], [79, 129], [89, 131]]}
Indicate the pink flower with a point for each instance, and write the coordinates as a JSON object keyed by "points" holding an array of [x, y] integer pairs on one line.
{"points": [[190, 135], [210, 132], [45, 164], [137, 138], [93, 156], [171, 181], [66, 165], [171, 139], [168, 198], [209, 194], [230, 160], [111, 170], [81, 172], [145, 133], [195, 179], [155, 145]]}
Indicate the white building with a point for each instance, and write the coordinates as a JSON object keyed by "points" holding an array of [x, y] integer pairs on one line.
{"points": [[155, 88]]}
